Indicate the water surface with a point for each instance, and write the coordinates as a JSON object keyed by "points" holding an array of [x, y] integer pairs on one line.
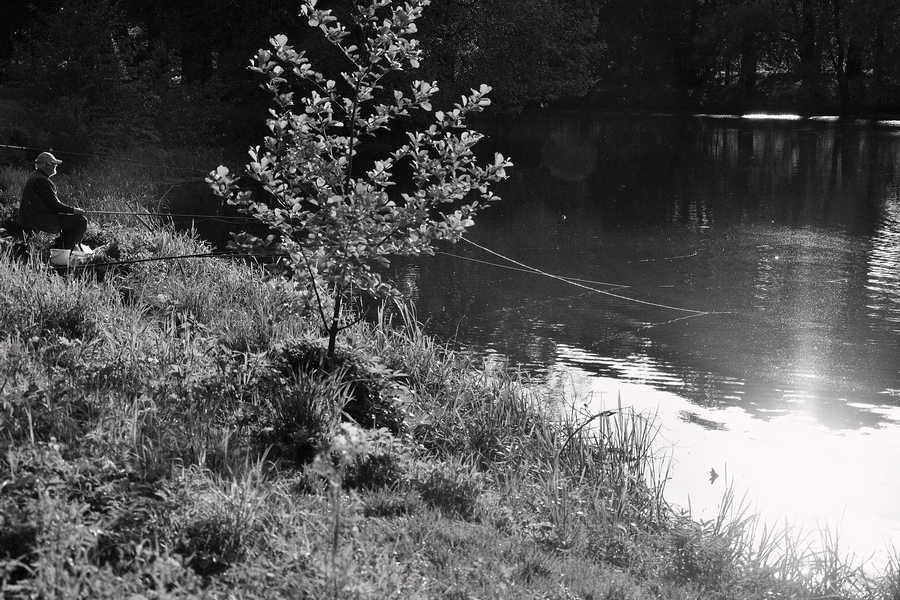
{"points": [[739, 277]]}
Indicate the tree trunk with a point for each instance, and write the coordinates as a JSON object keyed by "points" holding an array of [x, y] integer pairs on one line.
{"points": [[335, 325], [878, 52], [807, 42], [196, 54], [749, 62], [839, 56]]}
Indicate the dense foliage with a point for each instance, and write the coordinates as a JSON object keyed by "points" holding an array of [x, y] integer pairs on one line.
{"points": [[160, 69], [530, 51]]}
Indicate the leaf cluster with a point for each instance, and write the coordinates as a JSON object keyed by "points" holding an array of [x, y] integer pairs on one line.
{"points": [[334, 219]]}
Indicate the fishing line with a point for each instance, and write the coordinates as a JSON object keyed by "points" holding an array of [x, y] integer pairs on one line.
{"points": [[577, 284], [644, 260], [221, 218], [112, 158], [533, 272]]}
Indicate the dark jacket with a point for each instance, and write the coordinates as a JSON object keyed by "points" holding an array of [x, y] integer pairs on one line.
{"points": [[39, 208]]}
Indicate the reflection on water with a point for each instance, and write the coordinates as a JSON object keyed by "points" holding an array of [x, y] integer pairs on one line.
{"points": [[883, 280], [785, 233]]}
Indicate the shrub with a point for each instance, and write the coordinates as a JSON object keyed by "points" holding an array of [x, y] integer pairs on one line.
{"points": [[298, 418], [333, 219]]}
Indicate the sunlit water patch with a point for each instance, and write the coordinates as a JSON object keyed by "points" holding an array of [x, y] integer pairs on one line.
{"points": [[792, 470]]}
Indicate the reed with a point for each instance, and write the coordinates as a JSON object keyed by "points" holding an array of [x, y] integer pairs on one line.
{"points": [[890, 578]]}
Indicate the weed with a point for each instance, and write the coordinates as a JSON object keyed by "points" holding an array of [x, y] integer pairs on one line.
{"points": [[223, 516], [366, 403], [384, 462], [298, 419], [452, 487], [391, 502]]}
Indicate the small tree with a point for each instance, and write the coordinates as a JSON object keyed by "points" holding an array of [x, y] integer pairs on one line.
{"points": [[335, 223]]}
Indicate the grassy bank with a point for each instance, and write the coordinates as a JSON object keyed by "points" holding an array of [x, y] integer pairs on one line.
{"points": [[169, 429]]}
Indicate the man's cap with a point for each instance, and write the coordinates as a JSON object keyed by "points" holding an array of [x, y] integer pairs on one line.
{"points": [[46, 157]]}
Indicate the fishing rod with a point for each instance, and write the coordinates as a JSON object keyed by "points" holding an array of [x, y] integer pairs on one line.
{"points": [[223, 218], [112, 158], [91, 265], [522, 267]]}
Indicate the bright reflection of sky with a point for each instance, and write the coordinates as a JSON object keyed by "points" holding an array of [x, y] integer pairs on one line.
{"points": [[791, 466], [712, 116], [764, 116]]}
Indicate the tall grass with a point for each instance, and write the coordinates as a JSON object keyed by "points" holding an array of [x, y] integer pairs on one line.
{"points": [[162, 434], [568, 467], [12, 180]]}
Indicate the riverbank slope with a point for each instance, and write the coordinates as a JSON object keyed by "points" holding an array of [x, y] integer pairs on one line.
{"points": [[170, 429]]}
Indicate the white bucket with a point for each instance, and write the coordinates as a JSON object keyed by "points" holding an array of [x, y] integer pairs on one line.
{"points": [[79, 258], [60, 257]]}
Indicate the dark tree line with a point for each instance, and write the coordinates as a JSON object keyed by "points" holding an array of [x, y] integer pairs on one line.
{"points": [[807, 55], [174, 70]]}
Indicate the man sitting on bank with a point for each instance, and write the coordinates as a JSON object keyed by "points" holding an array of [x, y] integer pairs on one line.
{"points": [[41, 210]]}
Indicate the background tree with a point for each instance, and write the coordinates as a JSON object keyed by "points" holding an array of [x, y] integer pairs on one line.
{"points": [[654, 53], [113, 72], [18, 17], [802, 21], [336, 221], [532, 51], [852, 32], [743, 36], [76, 64]]}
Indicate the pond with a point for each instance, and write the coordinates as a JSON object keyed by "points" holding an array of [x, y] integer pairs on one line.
{"points": [[737, 277]]}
